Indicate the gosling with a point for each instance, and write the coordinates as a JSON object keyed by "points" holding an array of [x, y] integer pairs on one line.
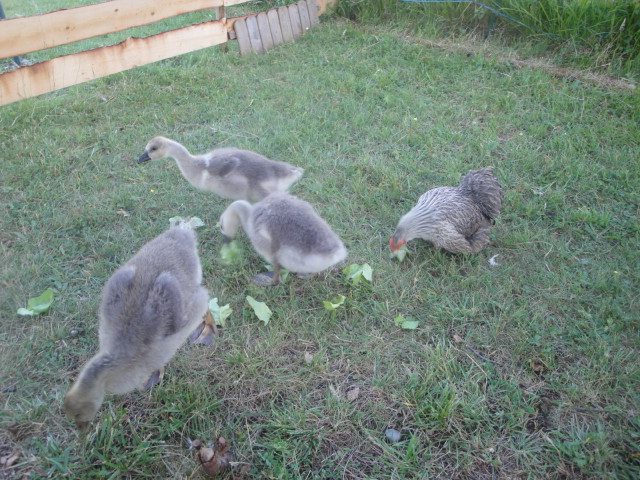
{"points": [[149, 307], [287, 233], [228, 172]]}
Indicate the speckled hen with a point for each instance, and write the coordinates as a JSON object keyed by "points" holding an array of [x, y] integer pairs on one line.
{"points": [[456, 219]]}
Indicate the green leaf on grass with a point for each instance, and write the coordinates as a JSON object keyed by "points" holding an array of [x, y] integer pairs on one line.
{"points": [[410, 324], [260, 309], [333, 304], [190, 222], [42, 303], [39, 304], [406, 323], [400, 253], [356, 273], [219, 314], [230, 253], [367, 272]]}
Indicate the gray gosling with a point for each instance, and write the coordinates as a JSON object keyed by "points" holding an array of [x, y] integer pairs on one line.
{"points": [[227, 172], [456, 219], [287, 232], [149, 307]]}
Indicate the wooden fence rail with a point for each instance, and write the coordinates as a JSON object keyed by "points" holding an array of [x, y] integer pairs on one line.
{"points": [[19, 36]]}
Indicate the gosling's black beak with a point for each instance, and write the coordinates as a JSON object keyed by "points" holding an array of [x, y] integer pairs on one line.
{"points": [[144, 157], [82, 426], [225, 239]]}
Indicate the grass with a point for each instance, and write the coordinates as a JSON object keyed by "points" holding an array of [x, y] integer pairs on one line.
{"points": [[525, 370], [601, 35]]}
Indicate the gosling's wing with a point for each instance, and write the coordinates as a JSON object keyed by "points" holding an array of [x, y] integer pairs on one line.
{"points": [[120, 312], [223, 167], [162, 310], [115, 294]]}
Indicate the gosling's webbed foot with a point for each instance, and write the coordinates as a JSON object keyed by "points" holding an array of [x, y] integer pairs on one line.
{"points": [[205, 332], [155, 378], [265, 279]]}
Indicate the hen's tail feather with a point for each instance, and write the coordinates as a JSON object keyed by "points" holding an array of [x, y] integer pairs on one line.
{"points": [[485, 190]]}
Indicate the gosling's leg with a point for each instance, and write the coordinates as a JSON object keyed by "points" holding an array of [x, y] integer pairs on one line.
{"points": [[155, 378], [205, 332], [276, 274]]}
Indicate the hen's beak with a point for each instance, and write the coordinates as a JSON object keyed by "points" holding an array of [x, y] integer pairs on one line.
{"points": [[396, 245], [144, 157]]}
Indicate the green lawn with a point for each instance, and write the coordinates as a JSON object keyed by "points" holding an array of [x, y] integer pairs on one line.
{"points": [[528, 369]]}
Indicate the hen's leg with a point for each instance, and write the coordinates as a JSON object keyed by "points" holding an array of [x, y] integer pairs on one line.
{"points": [[479, 240]]}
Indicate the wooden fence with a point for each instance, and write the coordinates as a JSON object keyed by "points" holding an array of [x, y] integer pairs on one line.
{"points": [[19, 36]]}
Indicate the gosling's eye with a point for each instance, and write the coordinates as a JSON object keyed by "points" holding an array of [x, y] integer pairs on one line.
{"points": [[153, 149]]}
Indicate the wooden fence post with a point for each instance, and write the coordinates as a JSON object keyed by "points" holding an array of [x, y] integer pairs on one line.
{"points": [[220, 15]]}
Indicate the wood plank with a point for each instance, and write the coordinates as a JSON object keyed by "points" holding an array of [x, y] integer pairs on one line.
{"points": [[228, 3], [265, 31], [313, 8], [274, 26], [305, 23], [240, 27], [285, 24], [254, 34], [37, 32], [294, 16], [80, 67]]}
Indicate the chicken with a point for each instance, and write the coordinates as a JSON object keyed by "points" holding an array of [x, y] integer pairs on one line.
{"points": [[456, 219]]}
